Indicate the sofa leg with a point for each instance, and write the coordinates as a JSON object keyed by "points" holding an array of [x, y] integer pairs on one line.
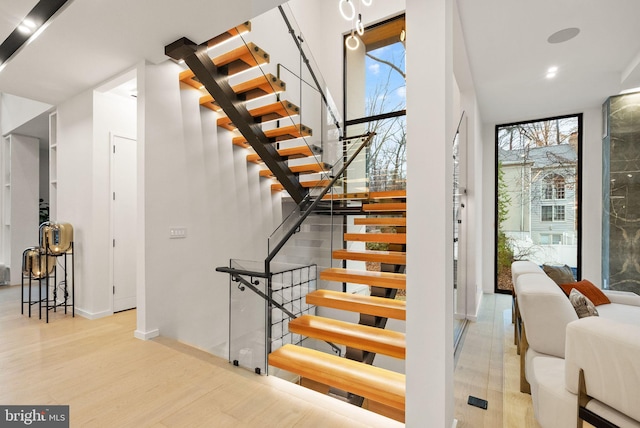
{"points": [[525, 387]]}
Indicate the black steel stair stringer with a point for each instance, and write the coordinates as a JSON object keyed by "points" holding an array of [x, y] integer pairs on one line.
{"points": [[216, 83]]}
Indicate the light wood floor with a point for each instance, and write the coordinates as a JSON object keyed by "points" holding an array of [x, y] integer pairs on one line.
{"points": [[109, 378], [488, 368]]}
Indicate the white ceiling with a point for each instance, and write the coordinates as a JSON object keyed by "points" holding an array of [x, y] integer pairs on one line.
{"points": [[93, 40], [509, 54]]}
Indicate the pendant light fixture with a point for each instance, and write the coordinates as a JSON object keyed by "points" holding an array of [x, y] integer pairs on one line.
{"points": [[360, 25], [350, 11], [352, 42]]}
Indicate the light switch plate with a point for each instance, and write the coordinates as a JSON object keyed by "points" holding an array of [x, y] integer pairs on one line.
{"points": [[177, 233]]}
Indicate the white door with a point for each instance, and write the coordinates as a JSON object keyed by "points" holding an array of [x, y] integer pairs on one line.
{"points": [[124, 200]]}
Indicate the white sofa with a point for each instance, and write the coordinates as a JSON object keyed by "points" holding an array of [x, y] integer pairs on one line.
{"points": [[602, 346]]}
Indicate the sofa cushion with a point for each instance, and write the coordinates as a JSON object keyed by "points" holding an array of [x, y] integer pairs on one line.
{"points": [[520, 267], [622, 313], [559, 274], [583, 306], [608, 353], [587, 288], [545, 311], [556, 407]]}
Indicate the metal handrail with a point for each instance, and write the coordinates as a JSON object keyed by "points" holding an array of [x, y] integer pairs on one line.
{"points": [[267, 263]]}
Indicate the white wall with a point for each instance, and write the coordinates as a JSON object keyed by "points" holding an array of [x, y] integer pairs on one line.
{"points": [[592, 195], [85, 124], [74, 166], [194, 178], [16, 111], [429, 304]]}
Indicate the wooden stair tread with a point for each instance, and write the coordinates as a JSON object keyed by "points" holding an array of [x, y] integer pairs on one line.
{"points": [[236, 60], [372, 278], [253, 88], [380, 221], [390, 257], [265, 113], [310, 168], [373, 339], [388, 194], [245, 27], [389, 238], [278, 134], [345, 196], [391, 206], [371, 382], [277, 187], [288, 153], [371, 305]]}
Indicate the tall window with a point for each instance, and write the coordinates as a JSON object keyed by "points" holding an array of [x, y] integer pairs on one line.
{"points": [[375, 100], [537, 194]]}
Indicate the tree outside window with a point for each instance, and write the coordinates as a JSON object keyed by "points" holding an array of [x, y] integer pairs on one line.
{"points": [[537, 168]]}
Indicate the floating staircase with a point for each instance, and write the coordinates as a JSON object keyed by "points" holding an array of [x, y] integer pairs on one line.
{"points": [[353, 378], [210, 75]]}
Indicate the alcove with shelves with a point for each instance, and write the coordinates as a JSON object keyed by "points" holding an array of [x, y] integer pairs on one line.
{"points": [[53, 165]]}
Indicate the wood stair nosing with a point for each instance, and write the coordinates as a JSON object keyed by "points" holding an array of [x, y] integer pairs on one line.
{"points": [[266, 113], [388, 238], [373, 339], [288, 153], [251, 89], [388, 194], [235, 61], [241, 58], [371, 305], [380, 207], [278, 134], [374, 383], [311, 168], [346, 196], [245, 27], [278, 187], [390, 257], [371, 278], [380, 221]]}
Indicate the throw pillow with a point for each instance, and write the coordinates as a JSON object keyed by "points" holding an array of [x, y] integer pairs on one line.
{"points": [[588, 289], [582, 305], [559, 274]]}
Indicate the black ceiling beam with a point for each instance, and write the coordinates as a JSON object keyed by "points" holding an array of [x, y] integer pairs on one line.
{"points": [[39, 15], [205, 70]]}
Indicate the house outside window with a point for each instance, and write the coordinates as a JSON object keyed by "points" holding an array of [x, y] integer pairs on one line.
{"points": [[537, 194]]}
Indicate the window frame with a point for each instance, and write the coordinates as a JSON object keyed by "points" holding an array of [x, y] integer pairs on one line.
{"points": [[578, 192]]}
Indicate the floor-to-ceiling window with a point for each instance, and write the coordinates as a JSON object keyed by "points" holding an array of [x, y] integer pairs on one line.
{"points": [[375, 101], [538, 194]]}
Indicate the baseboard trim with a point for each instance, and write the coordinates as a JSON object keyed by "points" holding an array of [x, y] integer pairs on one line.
{"points": [[474, 317], [146, 335], [92, 315]]}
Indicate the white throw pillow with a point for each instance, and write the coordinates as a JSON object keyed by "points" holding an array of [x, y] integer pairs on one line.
{"points": [[583, 306]]}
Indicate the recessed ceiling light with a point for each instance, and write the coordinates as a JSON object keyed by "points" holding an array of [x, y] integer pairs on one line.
{"points": [[552, 70], [563, 35], [29, 23], [24, 29]]}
